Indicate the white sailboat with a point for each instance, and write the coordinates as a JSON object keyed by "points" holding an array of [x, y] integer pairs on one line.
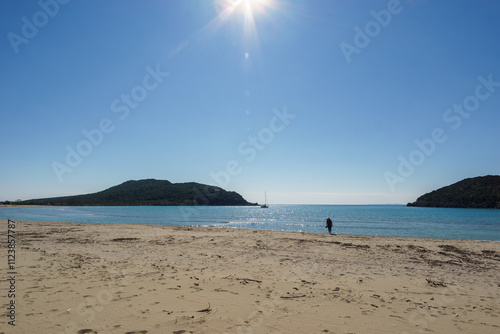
{"points": [[265, 206]]}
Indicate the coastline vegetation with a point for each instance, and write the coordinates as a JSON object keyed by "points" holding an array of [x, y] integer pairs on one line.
{"points": [[481, 192], [147, 192]]}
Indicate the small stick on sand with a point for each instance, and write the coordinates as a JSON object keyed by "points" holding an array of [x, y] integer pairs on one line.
{"points": [[249, 279], [435, 283], [75, 267], [208, 309]]}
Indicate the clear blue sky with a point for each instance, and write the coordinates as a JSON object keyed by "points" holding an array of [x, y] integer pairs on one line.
{"points": [[312, 101]]}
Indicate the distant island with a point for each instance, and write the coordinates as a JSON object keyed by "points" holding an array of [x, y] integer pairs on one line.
{"points": [[481, 192], [149, 192]]}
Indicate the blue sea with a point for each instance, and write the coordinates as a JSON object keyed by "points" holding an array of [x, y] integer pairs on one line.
{"points": [[373, 220]]}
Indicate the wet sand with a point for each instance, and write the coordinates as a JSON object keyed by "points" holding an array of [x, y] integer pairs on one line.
{"points": [[112, 278]]}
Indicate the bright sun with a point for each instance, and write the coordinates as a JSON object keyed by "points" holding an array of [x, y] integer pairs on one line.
{"points": [[249, 10], [249, 7], [252, 3], [244, 15]]}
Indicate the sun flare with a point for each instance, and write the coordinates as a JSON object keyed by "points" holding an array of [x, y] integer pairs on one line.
{"points": [[253, 4], [246, 13], [247, 7]]}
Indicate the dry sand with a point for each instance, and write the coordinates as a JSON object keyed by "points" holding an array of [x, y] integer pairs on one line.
{"points": [[110, 278]]}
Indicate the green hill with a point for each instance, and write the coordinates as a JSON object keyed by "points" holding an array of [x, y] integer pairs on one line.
{"points": [[149, 192], [478, 192]]}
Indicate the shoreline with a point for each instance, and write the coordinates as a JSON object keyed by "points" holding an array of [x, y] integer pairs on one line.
{"points": [[202, 226], [248, 230], [134, 278]]}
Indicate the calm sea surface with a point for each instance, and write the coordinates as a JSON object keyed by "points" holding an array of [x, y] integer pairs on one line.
{"points": [[376, 220]]}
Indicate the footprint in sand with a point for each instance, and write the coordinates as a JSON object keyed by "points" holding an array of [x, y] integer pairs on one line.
{"points": [[137, 332]]}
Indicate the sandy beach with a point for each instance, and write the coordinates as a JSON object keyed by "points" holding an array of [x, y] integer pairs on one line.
{"points": [[112, 278]]}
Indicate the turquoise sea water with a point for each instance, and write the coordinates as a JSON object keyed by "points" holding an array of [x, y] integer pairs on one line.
{"points": [[376, 220]]}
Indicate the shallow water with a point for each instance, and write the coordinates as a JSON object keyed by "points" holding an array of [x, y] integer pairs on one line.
{"points": [[376, 220]]}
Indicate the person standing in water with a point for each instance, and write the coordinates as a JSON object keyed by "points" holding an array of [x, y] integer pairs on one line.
{"points": [[329, 225]]}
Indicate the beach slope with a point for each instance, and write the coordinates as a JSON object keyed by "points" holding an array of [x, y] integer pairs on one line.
{"points": [[126, 279]]}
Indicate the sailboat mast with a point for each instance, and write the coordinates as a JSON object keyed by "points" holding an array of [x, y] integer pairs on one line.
{"points": [[265, 201]]}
